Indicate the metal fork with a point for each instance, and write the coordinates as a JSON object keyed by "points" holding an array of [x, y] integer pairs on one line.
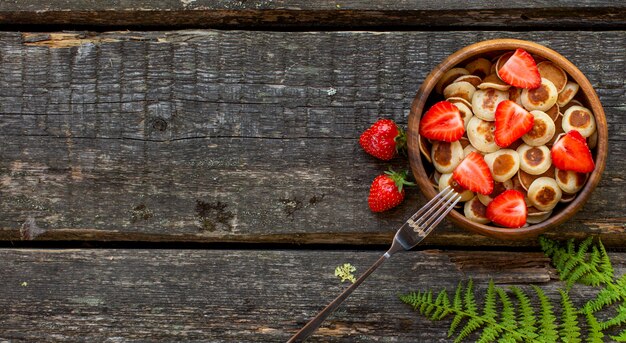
{"points": [[409, 235]]}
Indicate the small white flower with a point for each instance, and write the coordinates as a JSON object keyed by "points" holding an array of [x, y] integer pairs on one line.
{"points": [[331, 91]]}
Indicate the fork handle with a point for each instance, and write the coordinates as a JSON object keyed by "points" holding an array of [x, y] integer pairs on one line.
{"points": [[314, 323]]}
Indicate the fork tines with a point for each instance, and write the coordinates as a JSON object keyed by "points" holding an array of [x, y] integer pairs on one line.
{"points": [[431, 214]]}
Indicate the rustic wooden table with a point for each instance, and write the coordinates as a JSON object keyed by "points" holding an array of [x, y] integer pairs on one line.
{"points": [[183, 171]]}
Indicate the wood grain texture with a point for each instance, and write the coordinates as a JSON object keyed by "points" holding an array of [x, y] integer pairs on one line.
{"points": [[241, 295], [233, 136], [320, 14]]}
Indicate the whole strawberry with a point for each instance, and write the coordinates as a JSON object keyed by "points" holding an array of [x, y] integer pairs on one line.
{"points": [[383, 139], [387, 191]]}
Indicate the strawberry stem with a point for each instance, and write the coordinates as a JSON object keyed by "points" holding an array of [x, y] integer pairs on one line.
{"points": [[400, 140], [399, 178]]}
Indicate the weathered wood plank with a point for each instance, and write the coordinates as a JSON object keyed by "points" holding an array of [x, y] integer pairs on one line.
{"points": [[319, 14], [242, 295], [217, 136]]}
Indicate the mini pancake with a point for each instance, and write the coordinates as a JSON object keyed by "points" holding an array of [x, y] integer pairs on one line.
{"points": [[502, 60], [536, 216], [460, 89], [558, 130], [485, 102], [480, 134], [498, 188], [479, 67], [553, 112], [448, 77], [534, 160], [517, 185], [542, 131], [446, 180], [468, 149], [493, 81], [565, 198], [540, 98], [592, 140], [572, 102], [466, 112], [526, 179], [475, 211], [473, 79], [580, 119], [503, 164], [446, 156], [425, 148], [570, 181], [544, 193], [455, 100], [515, 95], [553, 73], [568, 93]]}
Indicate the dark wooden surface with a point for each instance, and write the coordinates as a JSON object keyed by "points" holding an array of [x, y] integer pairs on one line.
{"points": [[194, 138], [232, 136], [299, 14], [241, 295]]}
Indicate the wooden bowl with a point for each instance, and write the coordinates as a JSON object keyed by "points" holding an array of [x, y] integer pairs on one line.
{"points": [[492, 48]]}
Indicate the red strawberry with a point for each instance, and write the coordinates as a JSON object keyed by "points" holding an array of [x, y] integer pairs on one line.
{"points": [[442, 122], [512, 122], [386, 191], [383, 139], [508, 209], [473, 174], [520, 71], [572, 153]]}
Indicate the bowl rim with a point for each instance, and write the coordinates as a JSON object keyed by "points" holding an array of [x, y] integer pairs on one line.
{"points": [[573, 72]]}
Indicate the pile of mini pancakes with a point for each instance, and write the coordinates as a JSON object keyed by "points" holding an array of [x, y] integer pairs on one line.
{"points": [[525, 165]]}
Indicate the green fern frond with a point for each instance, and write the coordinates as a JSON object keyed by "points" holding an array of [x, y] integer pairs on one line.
{"points": [[569, 330], [595, 334], [621, 337], [607, 296], [547, 328], [619, 319], [470, 301], [579, 265], [458, 309], [497, 325], [527, 319]]}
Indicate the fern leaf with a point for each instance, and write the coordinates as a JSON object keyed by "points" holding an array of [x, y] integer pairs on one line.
{"points": [[472, 325], [605, 261], [470, 301], [527, 318], [575, 265], [489, 309], [621, 337], [606, 297], [458, 307], [547, 329], [619, 319], [569, 330], [595, 334]]}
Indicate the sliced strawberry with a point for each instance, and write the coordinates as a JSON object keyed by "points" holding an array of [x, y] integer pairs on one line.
{"points": [[512, 122], [508, 209], [520, 71], [442, 122], [571, 152], [473, 174]]}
